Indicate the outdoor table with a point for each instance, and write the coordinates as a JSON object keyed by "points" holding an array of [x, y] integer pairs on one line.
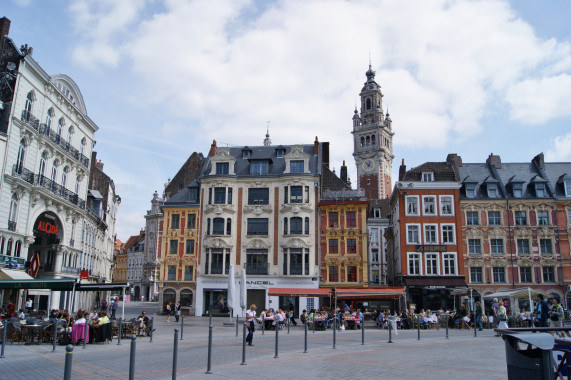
{"points": [[268, 322], [352, 322], [128, 329], [320, 323], [34, 330]]}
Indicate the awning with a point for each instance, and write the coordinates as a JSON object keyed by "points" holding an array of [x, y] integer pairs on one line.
{"points": [[11, 274], [96, 287], [435, 282], [299, 292], [53, 284], [370, 293], [523, 294], [95, 194]]}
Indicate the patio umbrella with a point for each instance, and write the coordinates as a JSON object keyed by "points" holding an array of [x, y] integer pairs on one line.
{"points": [[243, 291], [230, 294]]}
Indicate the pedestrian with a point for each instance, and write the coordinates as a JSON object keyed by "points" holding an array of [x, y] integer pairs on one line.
{"points": [[542, 311], [251, 323], [479, 316], [29, 305], [114, 306], [177, 311], [556, 314], [169, 310], [104, 305]]}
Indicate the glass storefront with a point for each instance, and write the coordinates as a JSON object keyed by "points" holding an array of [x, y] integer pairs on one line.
{"points": [[215, 302]]}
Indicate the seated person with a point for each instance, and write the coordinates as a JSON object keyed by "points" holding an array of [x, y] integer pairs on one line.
{"points": [[21, 315], [143, 322], [303, 317], [103, 319]]}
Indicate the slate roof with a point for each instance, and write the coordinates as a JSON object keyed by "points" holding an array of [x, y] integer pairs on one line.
{"points": [[383, 204], [443, 172], [187, 197]]}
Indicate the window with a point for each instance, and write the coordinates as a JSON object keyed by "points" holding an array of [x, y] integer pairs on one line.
{"points": [[28, 106], [412, 235], [280, 152], [411, 205], [216, 263], [497, 246], [43, 160], [446, 207], [374, 255], [374, 235], [188, 271], [517, 190], [173, 245], [190, 247], [430, 234], [540, 190], [351, 246], [548, 274], [492, 190], [428, 177], [449, 263], [520, 218], [306, 224], [171, 273], [448, 235], [476, 275], [543, 218], [523, 247], [54, 170], [218, 226], [414, 264], [333, 219], [222, 168], [295, 225], [499, 274], [351, 274], [258, 196], [69, 135], [191, 223], [296, 260], [258, 226], [259, 167], [246, 153], [567, 186], [334, 274], [175, 221], [82, 147], [472, 218], [377, 213], [333, 246], [351, 221], [431, 263], [429, 205], [470, 190], [296, 166], [474, 246], [21, 155], [545, 246], [525, 274], [296, 195], [49, 118], [257, 261], [494, 218], [60, 126], [219, 195]]}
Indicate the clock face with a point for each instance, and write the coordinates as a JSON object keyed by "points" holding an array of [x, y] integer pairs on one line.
{"points": [[368, 165]]}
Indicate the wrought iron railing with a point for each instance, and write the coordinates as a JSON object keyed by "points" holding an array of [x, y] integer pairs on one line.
{"points": [[11, 226], [257, 268], [295, 269]]}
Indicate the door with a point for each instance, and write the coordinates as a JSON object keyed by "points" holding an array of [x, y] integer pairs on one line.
{"points": [[257, 297]]}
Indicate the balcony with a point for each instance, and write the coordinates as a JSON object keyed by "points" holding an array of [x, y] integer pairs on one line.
{"points": [[38, 180], [44, 130], [257, 268], [295, 269], [11, 226], [216, 269]]}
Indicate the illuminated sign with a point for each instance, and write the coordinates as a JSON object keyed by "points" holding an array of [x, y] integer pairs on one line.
{"points": [[47, 227]]}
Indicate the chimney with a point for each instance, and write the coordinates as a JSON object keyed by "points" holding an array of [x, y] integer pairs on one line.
{"points": [[343, 172], [494, 161], [402, 170], [456, 161], [4, 29], [539, 161], [212, 148], [316, 146]]}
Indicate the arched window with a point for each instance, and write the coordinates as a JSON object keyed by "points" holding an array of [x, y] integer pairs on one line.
{"points": [[60, 126], [21, 155], [368, 140], [82, 147], [28, 106], [362, 141], [2, 243], [368, 103], [13, 209], [69, 134], [54, 171], [17, 248], [9, 247], [64, 176], [49, 118], [373, 140], [77, 181]]}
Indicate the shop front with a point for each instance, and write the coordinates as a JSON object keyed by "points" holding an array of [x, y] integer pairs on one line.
{"points": [[434, 293]]}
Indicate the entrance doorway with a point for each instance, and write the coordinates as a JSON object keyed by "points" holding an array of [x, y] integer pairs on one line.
{"points": [[257, 297]]}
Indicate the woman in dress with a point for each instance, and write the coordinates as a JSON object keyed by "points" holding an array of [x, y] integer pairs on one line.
{"points": [[169, 310]]}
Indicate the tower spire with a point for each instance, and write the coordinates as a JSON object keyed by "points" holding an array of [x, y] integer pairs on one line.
{"points": [[267, 141]]}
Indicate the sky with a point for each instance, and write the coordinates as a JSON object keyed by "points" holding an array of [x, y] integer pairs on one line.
{"points": [[164, 78]]}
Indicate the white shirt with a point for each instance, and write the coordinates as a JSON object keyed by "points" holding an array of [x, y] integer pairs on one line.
{"points": [[250, 314], [29, 304], [80, 320]]}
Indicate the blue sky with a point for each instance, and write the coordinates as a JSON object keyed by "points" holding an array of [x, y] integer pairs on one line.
{"points": [[163, 78]]}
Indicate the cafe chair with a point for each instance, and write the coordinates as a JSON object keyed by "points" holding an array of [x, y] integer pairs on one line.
{"points": [[78, 333]]}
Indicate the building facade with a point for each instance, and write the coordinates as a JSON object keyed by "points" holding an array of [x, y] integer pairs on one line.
{"points": [[151, 262], [377, 224]]}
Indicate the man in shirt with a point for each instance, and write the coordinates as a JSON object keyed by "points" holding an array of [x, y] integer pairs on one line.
{"points": [[144, 322], [29, 305], [542, 311], [251, 323]]}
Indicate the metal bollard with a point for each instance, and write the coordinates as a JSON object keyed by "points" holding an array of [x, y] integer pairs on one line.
{"points": [[56, 322], [362, 331], [277, 333], [313, 324], [152, 329], [209, 364], [475, 329], [263, 326], [118, 333], [288, 323], [418, 325], [237, 325], [305, 334], [244, 346], [181, 326], [4, 338], [334, 332], [175, 354], [85, 333], [132, 358], [447, 318], [390, 332], [68, 359]]}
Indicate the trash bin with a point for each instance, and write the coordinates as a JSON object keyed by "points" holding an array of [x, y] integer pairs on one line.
{"points": [[528, 356]]}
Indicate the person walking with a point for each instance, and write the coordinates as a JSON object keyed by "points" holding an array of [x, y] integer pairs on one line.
{"points": [[542, 311], [169, 310], [556, 314], [251, 323], [177, 311], [114, 306], [479, 316]]}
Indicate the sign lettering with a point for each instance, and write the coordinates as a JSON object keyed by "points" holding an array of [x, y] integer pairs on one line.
{"points": [[431, 248], [47, 227]]}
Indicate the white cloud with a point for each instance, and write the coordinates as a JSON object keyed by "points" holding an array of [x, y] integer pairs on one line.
{"points": [[561, 150]]}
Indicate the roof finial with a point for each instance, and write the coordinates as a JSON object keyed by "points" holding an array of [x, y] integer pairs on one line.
{"points": [[267, 140], [370, 60]]}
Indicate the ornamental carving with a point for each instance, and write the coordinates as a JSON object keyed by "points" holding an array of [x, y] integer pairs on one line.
{"points": [[296, 152], [221, 153], [218, 209], [256, 244], [295, 243], [258, 210], [216, 243], [296, 208]]}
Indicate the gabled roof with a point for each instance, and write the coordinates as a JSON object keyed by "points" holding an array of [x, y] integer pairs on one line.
{"points": [[443, 172]]}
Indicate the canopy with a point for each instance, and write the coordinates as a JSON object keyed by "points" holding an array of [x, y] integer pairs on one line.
{"points": [[109, 286], [523, 293], [299, 292], [11, 274], [53, 284], [370, 293]]}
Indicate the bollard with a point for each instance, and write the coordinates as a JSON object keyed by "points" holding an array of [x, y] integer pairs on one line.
{"points": [[236, 325], [152, 329], [362, 331], [4, 335], [181, 326], [85, 333], [175, 354], [475, 328], [244, 346], [288, 323], [209, 364], [277, 333], [55, 334], [118, 333], [334, 332], [390, 332], [313, 324], [447, 318], [305, 333], [263, 326], [438, 323], [418, 325], [68, 359], [132, 358]]}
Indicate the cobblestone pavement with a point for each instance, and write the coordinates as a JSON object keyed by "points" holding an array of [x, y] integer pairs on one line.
{"points": [[431, 357]]}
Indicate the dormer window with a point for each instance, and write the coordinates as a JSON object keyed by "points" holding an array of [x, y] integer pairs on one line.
{"points": [[259, 167], [492, 190], [280, 152], [517, 190], [296, 166], [540, 190], [427, 177], [246, 153], [222, 167], [470, 190], [567, 187]]}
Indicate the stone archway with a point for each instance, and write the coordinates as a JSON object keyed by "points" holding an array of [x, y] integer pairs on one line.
{"points": [[48, 234]]}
